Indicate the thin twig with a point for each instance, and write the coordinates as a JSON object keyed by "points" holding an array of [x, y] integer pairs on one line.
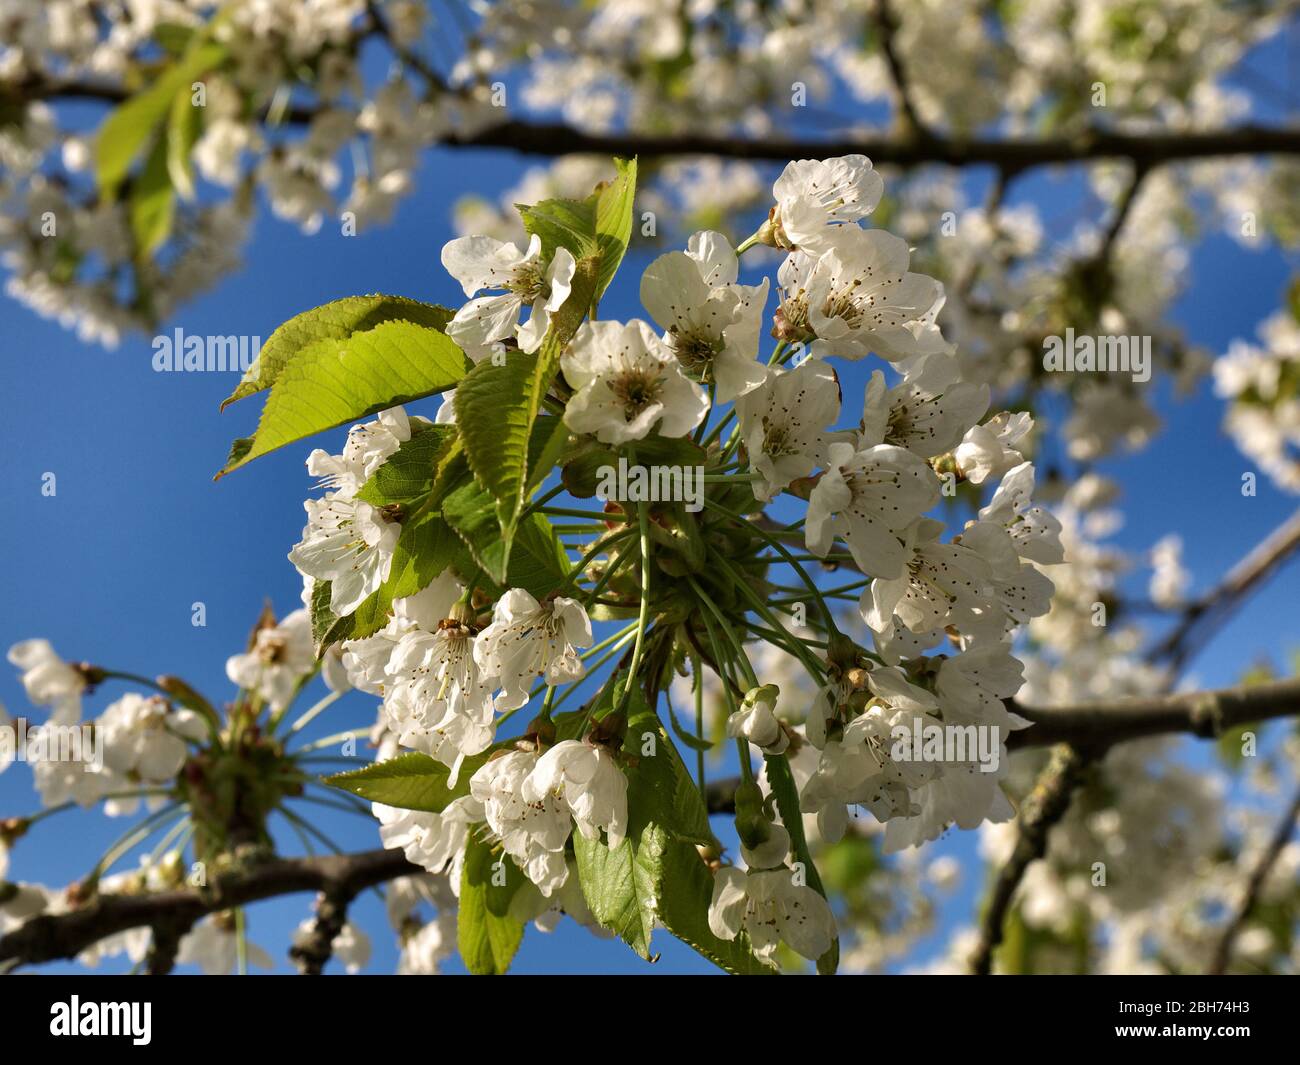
{"points": [[1254, 886], [1202, 617], [1042, 808], [886, 22]]}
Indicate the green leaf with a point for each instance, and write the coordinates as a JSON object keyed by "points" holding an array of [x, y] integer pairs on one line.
{"points": [[695, 743], [781, 780], [614, 203], [657, 873], [539, 564], [409, 473], [684, 910], [620, 892], [495, 412], [600, 225], [335, 381], [127, 130], [336, 320], [184, 122], [497, 403], [487, 936], [569, 224], [152, 203], [548, 442], [409, 782], [173, 37]]}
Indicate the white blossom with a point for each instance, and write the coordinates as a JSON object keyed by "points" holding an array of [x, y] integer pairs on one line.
{"points": [[813, 195], [589, 781], [772, 909], [711, 323], [480, 263], [627, 382], [48, 680], [784, 424], [869, 497], [533, 832], [348, 543], [281, 655], [528, 640]]}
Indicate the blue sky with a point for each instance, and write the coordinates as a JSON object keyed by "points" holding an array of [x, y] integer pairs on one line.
{"points": [[110, 566]]}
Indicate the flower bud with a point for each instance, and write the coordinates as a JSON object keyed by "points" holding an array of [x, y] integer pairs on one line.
{"points": [[756, 720], [771, 853]]}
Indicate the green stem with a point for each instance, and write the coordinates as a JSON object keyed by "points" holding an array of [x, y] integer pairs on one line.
{"points": [[742, 745], [541, 500], [698, 667], [610, 570], [643, 616], [572, 512], [775, 360], [329, 741], [777, 637], [310, 715], [136, 678], [810, 663], [135, 835], [601, 548], [241, 942], [781, 550]]}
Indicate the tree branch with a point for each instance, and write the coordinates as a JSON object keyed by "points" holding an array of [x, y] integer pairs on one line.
{"points": [[1096, 726], [1011, 155], [1207, 714], [1205, 614], [50, 937], [1043, 807], [1254, 886], [886, 23], [314, 950]]}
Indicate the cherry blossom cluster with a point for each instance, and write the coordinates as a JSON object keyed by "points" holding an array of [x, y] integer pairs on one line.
{"points": [[1261, 384], [450, 667]]}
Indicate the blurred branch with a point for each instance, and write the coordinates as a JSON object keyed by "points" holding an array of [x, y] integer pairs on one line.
{"points": [[314, 950], [1096, 726], [1254, 886], [886, 23], [1107, 722], [1209, 612], [164, 942], [54, 936], [1122, 209], [1042, 808], [1011, 155]]}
